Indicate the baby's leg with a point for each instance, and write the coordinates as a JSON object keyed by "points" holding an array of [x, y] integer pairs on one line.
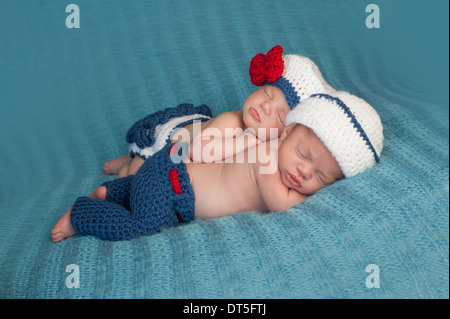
{"points": [[108, 220], [130, 167], [135, 164], [114, 166], [63, 228], [99, 193], [103, 219], [116, 191], [95, 217]]}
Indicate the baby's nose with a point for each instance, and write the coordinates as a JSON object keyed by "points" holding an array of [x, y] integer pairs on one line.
{"points": [[267, 108], [304, 170]]}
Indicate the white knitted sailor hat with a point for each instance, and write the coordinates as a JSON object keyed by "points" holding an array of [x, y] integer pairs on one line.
{"points": [[297, 76], [349, 127]]}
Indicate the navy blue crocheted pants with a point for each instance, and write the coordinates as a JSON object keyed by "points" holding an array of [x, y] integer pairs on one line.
{"points": [[158, 196]]}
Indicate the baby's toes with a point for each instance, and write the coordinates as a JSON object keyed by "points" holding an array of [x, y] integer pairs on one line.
{"points": [[57, 235]]}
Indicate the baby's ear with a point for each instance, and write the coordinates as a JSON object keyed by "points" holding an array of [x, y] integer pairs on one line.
{"points": [[287, 130]]}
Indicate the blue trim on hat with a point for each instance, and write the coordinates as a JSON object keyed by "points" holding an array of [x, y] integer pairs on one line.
{"points": [[353, 120], [288, 89]]}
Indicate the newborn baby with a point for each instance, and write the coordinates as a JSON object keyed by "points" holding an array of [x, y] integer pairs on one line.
{"points": [[285, 80], [327, 137]]}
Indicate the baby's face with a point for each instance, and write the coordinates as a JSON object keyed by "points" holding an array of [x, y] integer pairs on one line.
{"points": [[305, 163], [266, 108]]}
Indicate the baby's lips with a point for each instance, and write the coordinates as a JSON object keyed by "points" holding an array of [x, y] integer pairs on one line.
{"points": [[254, 114]]}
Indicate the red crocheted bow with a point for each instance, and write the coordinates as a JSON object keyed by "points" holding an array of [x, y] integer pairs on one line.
{"points": [[267, 67]]}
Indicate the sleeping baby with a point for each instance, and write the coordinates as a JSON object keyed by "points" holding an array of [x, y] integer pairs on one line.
{"points": [[328, 136], [285, 80]]}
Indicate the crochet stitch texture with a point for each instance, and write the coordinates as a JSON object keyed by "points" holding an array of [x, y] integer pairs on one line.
{"points": [[349, 127], [298, 77], [145, 135], [62, 95], [157, 197]]}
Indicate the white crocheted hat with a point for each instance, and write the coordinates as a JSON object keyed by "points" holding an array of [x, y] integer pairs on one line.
{"points": [[349, 127], [297, 76]]}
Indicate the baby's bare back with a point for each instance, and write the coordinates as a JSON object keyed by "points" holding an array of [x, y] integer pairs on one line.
{"points": [[222, 189]]}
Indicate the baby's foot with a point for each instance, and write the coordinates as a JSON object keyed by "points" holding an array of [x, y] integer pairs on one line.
{"points": [[113, 166], [63, 228], [99, 193]]}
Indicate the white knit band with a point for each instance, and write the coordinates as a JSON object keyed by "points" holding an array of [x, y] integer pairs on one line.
{"points": [[348, 126]]}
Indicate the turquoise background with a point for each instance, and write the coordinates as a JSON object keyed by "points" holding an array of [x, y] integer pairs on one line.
{"points": [[68, 96]]}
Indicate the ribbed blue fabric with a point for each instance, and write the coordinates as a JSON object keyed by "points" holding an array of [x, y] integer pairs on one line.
{"points": [[68, 96]]}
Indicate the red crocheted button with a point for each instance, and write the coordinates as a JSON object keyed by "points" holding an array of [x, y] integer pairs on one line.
{"points": [[173, 175], [180, 219]]}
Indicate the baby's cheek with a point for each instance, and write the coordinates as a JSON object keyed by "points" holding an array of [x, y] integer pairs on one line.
{"points": [[274, 129], [316, 188]]}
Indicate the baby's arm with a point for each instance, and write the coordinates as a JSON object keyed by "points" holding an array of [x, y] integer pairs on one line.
{"points": [[223, 137], [275, 194], [278, 197]]}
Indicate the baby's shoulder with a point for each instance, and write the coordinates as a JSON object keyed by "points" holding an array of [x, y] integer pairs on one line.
{"points": [[226, 121], [231, 118]]}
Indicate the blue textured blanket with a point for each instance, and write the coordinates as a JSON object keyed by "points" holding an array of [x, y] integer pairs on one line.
{"points": [[68, 96]]}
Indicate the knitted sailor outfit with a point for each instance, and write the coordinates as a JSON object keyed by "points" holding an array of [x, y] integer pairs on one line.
{"points": [[151, 133], [158, 196]]}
